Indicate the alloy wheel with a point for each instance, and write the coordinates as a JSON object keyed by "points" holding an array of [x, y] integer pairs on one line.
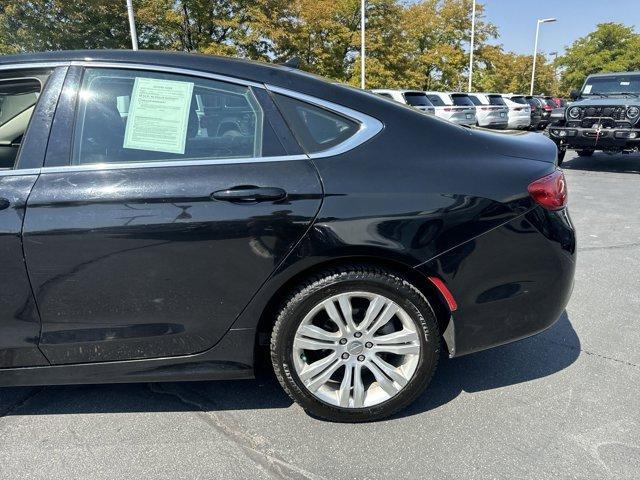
{"points": [[356, 349]]}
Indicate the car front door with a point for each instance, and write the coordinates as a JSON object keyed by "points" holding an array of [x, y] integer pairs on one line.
{"points": [[154, 224]]}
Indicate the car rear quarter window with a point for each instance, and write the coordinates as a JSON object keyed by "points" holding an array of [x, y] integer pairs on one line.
{"points": [[144, 116], [316, 129]]}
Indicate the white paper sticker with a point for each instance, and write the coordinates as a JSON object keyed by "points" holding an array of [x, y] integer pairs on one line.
{"points": [[587, 89], [158, 115], [625, 84]]}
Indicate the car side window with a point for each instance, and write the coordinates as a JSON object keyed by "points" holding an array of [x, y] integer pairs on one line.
{"points": [[144, 116], [316, 129], [18, 97]]}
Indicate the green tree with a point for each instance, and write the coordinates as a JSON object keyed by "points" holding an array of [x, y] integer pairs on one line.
{"points": [[511, 73], [37, 25], [223, 27], [611, 47], [438, 34]]}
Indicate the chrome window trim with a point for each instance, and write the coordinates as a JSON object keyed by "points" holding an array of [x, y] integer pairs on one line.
{"points": [[170, 163], [166, 69], [24, 171], [32, 66], [369, 126]]}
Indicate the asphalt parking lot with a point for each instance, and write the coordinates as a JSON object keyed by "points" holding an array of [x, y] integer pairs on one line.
{"points": [[563, 404]]}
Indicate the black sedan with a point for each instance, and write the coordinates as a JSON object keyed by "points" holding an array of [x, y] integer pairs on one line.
{"points": [[170, 217]]}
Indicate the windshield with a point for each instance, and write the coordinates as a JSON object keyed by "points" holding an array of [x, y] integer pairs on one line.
{"points": [[461, 100], [417, 99], [614, 84]]}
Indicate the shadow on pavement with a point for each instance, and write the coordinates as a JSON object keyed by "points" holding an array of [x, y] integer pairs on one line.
{"points": [[535, 357], [602, 162], [528, 359]]}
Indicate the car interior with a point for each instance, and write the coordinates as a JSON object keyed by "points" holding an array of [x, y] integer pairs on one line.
{"points": [[222, 124], [18, 97]]}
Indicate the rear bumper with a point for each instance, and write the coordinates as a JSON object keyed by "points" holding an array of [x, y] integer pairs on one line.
{"points": [[510, 283], [590, 138], [493, 122], [464, 121], [519, 122]]}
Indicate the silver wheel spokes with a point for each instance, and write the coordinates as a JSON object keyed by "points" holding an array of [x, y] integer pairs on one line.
{"points": [[356, 349]]}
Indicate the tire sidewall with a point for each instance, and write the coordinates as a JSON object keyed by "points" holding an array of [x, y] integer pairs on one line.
{"points": [[407, 298]]}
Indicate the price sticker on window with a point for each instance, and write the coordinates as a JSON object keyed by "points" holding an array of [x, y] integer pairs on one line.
{"points": [[158, 115]]}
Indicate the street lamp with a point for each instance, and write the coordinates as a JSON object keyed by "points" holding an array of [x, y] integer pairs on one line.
{"points": [[535, 49], [473, 32], [132, 25], [362, 20]]}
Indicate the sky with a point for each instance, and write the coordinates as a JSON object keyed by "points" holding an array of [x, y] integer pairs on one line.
{"points": [[516, 21]]}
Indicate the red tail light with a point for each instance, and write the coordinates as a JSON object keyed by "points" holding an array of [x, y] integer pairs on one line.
{"points": [[550, 191]]}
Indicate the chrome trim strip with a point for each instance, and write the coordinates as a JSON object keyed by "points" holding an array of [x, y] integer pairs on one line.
{"points": [[31, 66], [24, 171], [166, 69], [170, 163], [369, 126]]}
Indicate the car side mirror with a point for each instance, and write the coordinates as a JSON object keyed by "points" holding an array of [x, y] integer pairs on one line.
{"points": [[575, 94]]}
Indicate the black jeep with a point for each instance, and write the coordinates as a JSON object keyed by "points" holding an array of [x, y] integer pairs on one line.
{"points": [[605, 115]]}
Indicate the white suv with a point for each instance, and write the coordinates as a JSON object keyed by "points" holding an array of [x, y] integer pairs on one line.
{"points": [[491, 110], [519, 111], [455, 107], [413, 98]]}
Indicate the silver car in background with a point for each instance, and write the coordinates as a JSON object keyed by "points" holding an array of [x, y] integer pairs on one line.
{"points": [[455, 107], [519, 111], [491, 110], [413, 98]]}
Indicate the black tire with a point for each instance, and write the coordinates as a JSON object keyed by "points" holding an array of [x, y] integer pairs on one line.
{"points": [[584, 153], [561, 154], [341, 280]]}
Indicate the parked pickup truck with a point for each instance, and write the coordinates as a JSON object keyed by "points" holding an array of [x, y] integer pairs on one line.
{"points": [[605, 116]]}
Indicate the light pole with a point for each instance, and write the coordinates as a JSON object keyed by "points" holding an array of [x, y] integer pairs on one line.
{"points": [[473, 34], [555, 60], [132, 25], [535, 49], [362, 52]]}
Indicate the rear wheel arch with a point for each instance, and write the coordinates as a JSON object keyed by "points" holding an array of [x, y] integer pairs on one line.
{"points": [[427, 289]]}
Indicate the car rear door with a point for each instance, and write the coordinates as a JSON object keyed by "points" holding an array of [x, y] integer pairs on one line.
{"points": [[156, 221]]}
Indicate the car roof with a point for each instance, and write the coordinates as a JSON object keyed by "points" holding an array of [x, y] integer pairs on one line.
{"points": [[155, 57], [258, 72], [397, 90], [608, 74]]}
